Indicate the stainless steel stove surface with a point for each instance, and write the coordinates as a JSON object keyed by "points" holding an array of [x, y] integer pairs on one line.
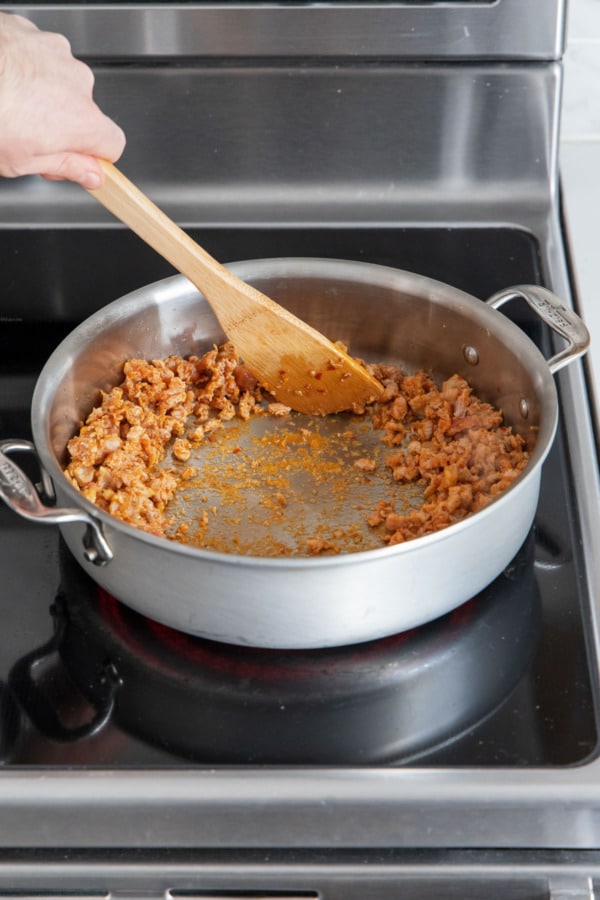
{"points": [[460, 759]]}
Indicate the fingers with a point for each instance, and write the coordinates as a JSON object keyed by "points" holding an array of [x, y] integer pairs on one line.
{"points": [[108, 142], [49, 122], [15, 22], [83, 170], [105, 140]]}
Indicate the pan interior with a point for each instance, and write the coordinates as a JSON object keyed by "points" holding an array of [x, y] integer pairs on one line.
{"points": [[382, 315], [289, 485]]}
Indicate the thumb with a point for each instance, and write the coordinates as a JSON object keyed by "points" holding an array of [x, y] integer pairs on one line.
{"points": [[82, 169]]}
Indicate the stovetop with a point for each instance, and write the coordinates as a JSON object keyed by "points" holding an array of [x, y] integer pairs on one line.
{"points": [[505, 681]]}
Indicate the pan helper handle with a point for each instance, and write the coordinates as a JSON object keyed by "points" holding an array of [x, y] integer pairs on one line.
{"points": [[555, 314], [19, 493]]}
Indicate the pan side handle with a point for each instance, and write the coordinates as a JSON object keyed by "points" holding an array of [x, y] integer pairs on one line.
{"points": [[19, 493], [553, 313]]}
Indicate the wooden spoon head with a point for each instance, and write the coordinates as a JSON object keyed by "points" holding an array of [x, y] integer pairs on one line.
{"points": [[328, 382], [297, 364]]}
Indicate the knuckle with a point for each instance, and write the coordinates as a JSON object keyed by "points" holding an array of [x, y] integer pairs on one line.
{"points": [[85, 74], [59, 42]]}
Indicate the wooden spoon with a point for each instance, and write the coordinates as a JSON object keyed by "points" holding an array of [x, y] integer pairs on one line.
{"points": [[297, 364]]}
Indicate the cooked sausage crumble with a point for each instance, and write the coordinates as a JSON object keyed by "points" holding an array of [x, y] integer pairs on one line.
{"points": [[444, 439]]}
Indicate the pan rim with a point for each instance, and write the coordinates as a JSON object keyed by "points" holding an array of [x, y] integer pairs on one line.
{"points": [[170, 288]]}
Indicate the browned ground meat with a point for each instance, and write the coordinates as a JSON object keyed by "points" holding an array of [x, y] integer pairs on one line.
{"points": [[442, 438], [114, 458], [454, 444]]}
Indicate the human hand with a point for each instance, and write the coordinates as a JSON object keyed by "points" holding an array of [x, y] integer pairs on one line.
{"points": [[49, 122]]}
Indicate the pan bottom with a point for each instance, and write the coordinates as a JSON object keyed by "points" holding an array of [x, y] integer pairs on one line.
{"points": [[277, 486]]}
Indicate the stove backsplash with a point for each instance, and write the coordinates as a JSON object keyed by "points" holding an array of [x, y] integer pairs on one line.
{"points": [[232, 144], [271, 116], [333, 30]]}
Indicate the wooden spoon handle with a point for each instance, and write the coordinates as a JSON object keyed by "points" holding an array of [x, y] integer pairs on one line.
{"points": [[300, 366], [132, 207]]}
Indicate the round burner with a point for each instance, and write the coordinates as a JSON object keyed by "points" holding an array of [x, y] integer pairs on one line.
{"points": [[379, 702]]}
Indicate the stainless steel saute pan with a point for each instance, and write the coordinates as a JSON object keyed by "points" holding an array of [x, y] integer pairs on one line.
{"points": [[382, 314]]}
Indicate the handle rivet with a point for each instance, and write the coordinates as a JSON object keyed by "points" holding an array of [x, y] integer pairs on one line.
{"points": [[524, 408], [471, 355]]}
